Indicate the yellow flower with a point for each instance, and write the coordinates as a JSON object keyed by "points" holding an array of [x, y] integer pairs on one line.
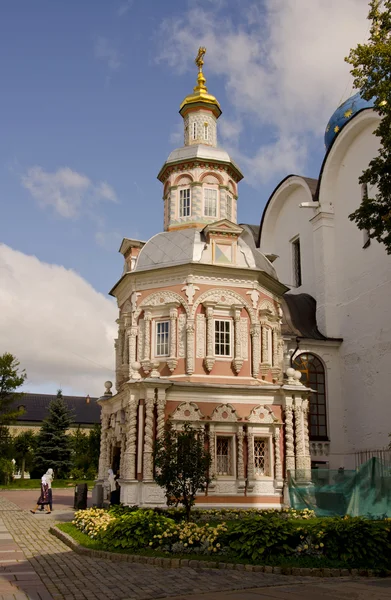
{"points": [[305, 547], [321, 545]]}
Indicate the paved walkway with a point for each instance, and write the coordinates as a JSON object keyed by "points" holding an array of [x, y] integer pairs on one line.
{"points": [[36, 565]]}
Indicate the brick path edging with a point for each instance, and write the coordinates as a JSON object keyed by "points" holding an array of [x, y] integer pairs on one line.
{"points": [[174, 563]]}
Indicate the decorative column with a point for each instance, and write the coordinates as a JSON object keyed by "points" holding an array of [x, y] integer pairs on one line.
{"points": [[132, 351], [161, 404], [209, 360], [255, 335], [241, 476], [238, 360], [212, 450], [250, 460], [131, 438], [299, 437], [289, 437], [103, 458], [148, 435], [277, 458], [146, 362], [265, 362], [190, 346], [276, 366], [307, 453], [173, 361]]}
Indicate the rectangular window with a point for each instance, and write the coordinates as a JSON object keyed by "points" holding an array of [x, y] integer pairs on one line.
{"points": [[224, 462], [206, 132], [261, 456], [210, 204], [223, 338], [184, 203], [296, 263], [194, 130], [229, 208], [162, 338]]}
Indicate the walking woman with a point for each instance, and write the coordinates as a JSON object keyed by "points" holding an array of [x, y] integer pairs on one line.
{"points": [[49, 478], [43, 499]]}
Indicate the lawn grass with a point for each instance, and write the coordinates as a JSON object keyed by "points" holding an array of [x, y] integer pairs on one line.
{"points": [[35, 484], [279, 561]]}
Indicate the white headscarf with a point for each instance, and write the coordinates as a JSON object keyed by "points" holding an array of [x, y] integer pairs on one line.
{"points": [[49, 477], [44, 481], [112, 481]]}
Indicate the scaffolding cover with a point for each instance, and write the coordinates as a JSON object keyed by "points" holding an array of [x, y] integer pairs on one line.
{"points": [[364, 492]]}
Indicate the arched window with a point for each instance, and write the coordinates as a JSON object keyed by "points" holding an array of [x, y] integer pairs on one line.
{"points": [[313, 376], [206, 132]]}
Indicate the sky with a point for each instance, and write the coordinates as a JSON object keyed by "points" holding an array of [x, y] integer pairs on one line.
{"points": [[88, 115]]}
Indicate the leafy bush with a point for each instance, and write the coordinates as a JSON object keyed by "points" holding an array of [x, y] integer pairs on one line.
{"points": [[191, 538], [6, 471], [134, 530], [260, 536], [92, 521]]}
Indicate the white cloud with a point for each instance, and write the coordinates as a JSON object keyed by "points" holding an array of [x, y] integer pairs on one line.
{"points": [[105, 51], [124, 7], [283, 65], [230, 130], [66, 191], [59, 327]]}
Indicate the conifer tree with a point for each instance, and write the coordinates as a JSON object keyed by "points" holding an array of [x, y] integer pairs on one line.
{"points": [[53, 447]]}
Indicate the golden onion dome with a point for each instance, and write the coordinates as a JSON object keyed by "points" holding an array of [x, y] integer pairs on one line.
{"points": [[200, 92]]}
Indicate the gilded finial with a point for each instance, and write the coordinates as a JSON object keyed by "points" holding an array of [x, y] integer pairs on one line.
{"points": [[199, 61], [201, 81]]}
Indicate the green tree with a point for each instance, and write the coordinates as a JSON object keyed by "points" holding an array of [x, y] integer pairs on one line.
{"points": [[24, 446], [78, 441], [371, 70], [11, 378], [94, 446], [53, 444], [181, 465]]}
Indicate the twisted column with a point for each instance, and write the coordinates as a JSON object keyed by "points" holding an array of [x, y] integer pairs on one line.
{"points": [[277, 455], [212, 450], [103, 458], [255, 335], [172, 360], [210, 340], [190, 346], [161, 404], [275, 361], [240, 436], [148, 434], [289, 439], [238, 360], [131, 439], [146, 362], [250, 457], [132, 348]]}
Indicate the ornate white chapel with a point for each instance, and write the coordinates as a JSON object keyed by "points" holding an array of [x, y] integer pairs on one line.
{"points": [[200, 336]]}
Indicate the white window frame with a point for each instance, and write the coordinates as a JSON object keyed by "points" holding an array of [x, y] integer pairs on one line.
{"points": [[206, 132], [232, 438], [207, 202], [182, 213], [194, 130], [223, 356], [261, 435], [229, 207], [156, 342]]}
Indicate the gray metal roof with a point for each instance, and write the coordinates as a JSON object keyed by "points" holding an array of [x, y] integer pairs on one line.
{"points": [[200, 151], [170, 248], [299, 317], [37, 408]]}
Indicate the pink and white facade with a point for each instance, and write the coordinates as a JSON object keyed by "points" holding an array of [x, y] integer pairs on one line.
{"points": [[199, 337]]}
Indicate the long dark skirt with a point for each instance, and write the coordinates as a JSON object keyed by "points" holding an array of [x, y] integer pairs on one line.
{"points": [[115, 496], [43, 500]]}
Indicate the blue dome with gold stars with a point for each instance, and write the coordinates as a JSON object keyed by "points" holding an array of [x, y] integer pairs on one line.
{"points": [[344, 113]]}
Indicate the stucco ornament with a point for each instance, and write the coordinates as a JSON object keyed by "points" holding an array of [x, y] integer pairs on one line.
{"points": [[254, 296], [225, 412], [190, 290], [133, 300], [187, 411], [262, 414]]}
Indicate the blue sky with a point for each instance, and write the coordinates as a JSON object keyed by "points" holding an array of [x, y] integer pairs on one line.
{"points": [[89, 112]]}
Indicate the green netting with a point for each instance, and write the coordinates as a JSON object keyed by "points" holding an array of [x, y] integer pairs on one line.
{"points": [[363, 492]]}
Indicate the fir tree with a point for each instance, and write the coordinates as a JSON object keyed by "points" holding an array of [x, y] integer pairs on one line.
{"points": [[53, 447]]}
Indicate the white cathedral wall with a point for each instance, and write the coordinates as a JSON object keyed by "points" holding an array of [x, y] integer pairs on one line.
{"points": [[363, 298], [286, 222]]}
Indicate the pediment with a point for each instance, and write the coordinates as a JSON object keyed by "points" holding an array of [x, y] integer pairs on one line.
{"points": [[223, 227]]}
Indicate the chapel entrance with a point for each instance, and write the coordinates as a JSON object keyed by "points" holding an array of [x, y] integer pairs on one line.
{"points": [[116, 460]]}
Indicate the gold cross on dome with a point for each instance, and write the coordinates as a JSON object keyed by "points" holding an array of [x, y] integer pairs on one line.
{"points": [[199, 61]]}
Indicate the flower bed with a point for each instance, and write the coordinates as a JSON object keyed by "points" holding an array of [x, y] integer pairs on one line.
{"points": [[268, 537]]}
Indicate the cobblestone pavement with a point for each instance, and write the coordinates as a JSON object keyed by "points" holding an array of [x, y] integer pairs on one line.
{"points": [[43, 568]]}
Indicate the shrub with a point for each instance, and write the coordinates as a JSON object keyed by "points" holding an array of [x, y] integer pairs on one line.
{"points": [[260, 536], [191, 538], [92, 521], [6, 471], [134, 530]]}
